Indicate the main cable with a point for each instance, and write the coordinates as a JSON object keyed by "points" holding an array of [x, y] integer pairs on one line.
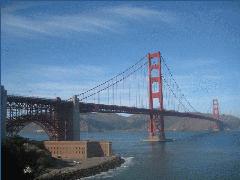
{"points": [[123, 72]]}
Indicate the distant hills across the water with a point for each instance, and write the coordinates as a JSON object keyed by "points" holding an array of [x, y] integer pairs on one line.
{"points": [[93, 122]]}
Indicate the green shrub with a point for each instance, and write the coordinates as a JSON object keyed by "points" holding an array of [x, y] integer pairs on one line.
{"points": [[19, 153]]}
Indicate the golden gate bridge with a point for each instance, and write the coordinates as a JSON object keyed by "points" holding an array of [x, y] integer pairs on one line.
{"points": [[146, 87]]}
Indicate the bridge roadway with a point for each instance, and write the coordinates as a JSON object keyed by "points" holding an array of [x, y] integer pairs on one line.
{"points": [[102, 108]]}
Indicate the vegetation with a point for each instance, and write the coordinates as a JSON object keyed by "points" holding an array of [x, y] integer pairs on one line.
{"points": [[24, 159]]}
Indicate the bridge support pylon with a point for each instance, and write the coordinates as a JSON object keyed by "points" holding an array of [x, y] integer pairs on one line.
{"points": [[76, 119], [216, 115], [156, 121], [68, 121]]}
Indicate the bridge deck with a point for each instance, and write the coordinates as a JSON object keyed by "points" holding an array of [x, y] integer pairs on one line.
{"points": [[102, 108], [36, 100]]}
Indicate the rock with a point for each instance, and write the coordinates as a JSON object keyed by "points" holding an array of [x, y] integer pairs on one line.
{"points": [[89, 167]]}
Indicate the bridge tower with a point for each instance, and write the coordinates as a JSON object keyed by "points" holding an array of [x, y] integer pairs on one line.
{"points": [[156, 122], [215, 111]]}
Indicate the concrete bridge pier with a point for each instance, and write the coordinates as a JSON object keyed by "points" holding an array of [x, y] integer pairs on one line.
{"points": [[68, 120], [61, 115], [162, 131], [75, 119], [218, 126]]}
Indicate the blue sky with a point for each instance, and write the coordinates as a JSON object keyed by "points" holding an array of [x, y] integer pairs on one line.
{"points": [[62, 48]]}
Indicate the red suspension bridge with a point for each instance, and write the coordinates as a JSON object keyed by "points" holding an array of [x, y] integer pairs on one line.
{"points": [[147, 87]]}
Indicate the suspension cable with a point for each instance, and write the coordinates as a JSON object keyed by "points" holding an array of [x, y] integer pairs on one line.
{"points": [[124, 77], [164, 62], [123, 72]]}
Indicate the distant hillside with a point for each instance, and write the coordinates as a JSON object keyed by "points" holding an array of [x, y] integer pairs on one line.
{"points": [[103, 122], [109, 122], [106, 122]]}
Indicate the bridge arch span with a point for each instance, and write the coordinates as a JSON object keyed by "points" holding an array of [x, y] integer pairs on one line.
{"points": [[13, 127]]}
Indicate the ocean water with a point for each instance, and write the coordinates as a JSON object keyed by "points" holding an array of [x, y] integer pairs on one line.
{"points": [[192, 155]]}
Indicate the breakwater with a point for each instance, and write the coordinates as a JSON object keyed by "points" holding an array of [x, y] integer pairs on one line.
{"points": [[85, 168]]}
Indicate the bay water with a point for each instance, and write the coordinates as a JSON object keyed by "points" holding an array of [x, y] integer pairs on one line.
{"points": [[192, 155]]}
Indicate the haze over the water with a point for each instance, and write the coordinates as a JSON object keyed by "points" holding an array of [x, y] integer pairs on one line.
{"points": [[54, 49]]}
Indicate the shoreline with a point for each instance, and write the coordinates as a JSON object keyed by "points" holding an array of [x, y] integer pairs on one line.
{"points": [[86, 168]]}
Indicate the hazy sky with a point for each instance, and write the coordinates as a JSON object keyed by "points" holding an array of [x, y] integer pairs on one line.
{"points": [[61, 48]]}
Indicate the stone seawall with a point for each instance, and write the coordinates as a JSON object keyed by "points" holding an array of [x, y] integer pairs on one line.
{"points": [[85, 168]]}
